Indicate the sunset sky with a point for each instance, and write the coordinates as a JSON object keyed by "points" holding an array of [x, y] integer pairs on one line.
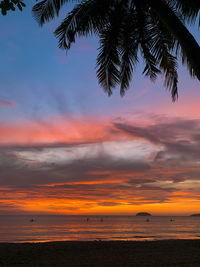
{"points": [[68, 148]]}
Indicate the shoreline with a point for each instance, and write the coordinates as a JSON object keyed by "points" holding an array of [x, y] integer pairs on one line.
{"points": [[172, 252]]}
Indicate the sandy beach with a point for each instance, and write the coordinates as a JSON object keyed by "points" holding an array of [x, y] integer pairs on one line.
{"points": [[102, 254]]}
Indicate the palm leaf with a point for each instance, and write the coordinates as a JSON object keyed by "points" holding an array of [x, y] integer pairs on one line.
{"points": [[47, 10], [87, 17], [129, 47], [108, 60], [190, 49], [188, 8], [146, 41], [162, 45]]}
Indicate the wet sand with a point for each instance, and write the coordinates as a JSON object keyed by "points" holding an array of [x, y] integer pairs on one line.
{"points": [[183, 253]]}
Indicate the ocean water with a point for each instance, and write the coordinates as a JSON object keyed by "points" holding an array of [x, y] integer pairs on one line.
{"points": [[60, 228]]}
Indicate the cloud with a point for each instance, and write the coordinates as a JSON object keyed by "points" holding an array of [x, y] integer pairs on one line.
{"points": [[54, 165], [178, 138], [6, 104], [108, 203], [53, 131], [114, 165], [137, 132]]}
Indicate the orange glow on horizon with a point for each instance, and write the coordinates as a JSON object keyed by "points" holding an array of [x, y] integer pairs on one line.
{"points": [[21, 203], [55, 206]]}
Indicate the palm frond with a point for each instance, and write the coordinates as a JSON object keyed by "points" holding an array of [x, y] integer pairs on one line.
{"points": [[190, 49], [128, 61], [188, 9], [87, 17], [168, 63], [162, 46], [129, 47], [47, 10], [108, 60], [146, 42], [156, 27]]}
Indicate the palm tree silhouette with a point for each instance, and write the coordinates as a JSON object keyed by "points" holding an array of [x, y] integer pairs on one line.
{"points": [[126, 28]]}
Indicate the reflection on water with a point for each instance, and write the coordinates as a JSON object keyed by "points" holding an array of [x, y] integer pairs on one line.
{"points": [[60, 228]]}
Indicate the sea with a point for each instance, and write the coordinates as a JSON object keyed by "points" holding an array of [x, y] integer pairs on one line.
{"points": [[45, 228]]}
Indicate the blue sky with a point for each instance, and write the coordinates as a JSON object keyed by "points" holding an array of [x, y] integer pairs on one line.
{"points": [[40, 79]]}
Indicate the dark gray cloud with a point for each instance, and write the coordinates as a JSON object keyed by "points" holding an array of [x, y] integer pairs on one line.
{"points": [[138, 132], [15, 170], [179, 139], [141, 181]]}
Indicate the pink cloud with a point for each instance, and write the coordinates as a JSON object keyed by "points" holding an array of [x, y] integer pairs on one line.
{"points": [[6, 104], [59, 130]]}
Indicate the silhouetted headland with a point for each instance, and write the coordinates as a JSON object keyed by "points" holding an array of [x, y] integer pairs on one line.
{"points": [[196, 214], [143, 214]]}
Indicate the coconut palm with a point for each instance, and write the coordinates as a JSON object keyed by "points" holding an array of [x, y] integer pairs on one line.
{"points": [[126, 28]]}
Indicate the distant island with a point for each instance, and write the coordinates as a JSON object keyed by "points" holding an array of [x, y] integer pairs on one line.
{"points": [[143, 214], [197, 214]]}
